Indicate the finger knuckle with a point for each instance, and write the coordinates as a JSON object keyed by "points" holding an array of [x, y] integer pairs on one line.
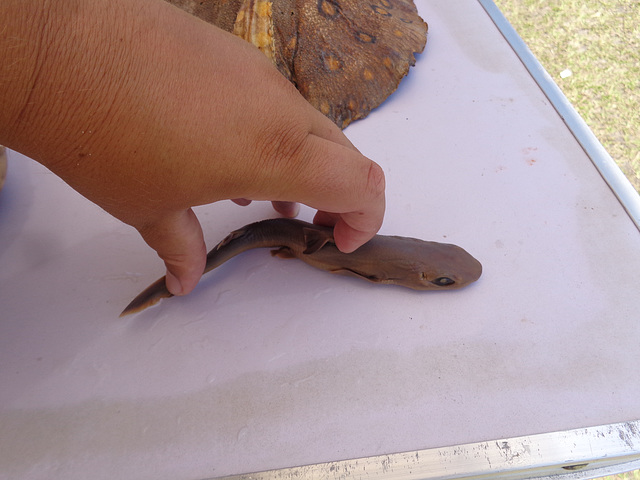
{"points": [[375, 180], [282, 145]]}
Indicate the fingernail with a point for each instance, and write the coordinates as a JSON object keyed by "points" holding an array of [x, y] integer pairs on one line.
{"points": [[173, 284]]}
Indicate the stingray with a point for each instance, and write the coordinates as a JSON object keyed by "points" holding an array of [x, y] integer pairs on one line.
{"points": [[344, 56]]}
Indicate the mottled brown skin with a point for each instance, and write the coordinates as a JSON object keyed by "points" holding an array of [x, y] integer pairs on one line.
{"points": [[344, 56], [404, 261]]}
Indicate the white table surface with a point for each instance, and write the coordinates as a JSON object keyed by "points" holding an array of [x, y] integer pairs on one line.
{"points": [[272, 364]]}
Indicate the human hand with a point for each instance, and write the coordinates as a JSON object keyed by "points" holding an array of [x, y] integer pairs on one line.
{"points": [[148, 111]]}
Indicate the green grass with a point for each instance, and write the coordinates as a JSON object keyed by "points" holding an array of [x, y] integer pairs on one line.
{"points": [[635, 475], [599, 42]]}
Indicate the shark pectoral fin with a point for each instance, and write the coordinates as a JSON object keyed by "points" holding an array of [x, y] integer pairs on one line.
{"points": [[354, 273], [283, 252], [315, 239]]}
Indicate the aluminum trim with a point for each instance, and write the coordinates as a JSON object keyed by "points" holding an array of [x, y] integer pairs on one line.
{"points": [[571, 455], [611, 173]]}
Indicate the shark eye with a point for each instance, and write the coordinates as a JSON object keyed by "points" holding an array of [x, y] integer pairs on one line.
{"points": [[443, 281]]}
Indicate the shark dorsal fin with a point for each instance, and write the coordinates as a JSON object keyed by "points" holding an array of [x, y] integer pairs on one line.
{"points": [[315, 239]]}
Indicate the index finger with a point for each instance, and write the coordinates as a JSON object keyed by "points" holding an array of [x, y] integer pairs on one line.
{"points": [[353, 229], [345, 186]]}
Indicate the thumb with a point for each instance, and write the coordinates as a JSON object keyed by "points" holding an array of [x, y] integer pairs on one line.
{"points": [[178, 240]]}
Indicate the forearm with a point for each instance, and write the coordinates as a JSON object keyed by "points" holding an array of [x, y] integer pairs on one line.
{"points": [[72, 83], [21, 41], [53, 74]]}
